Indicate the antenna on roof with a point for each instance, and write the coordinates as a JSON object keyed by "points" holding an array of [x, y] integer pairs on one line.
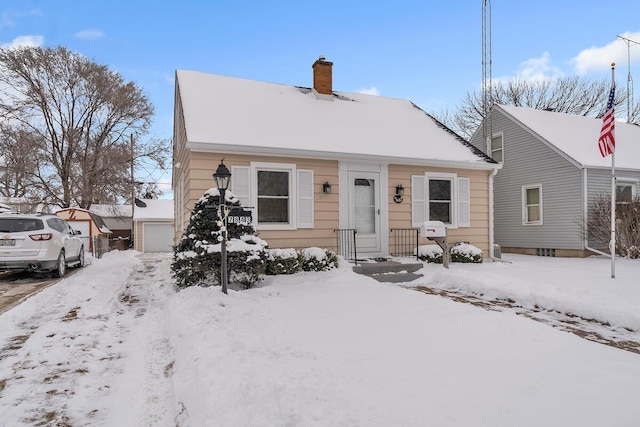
{"points": [[629, 78]]}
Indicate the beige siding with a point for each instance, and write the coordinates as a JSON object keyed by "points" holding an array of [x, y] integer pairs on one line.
{"points": [[400, 213], [201, 168]]}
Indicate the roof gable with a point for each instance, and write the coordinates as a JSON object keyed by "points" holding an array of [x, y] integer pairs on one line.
{"points": [[232, 113], [577, 136]]}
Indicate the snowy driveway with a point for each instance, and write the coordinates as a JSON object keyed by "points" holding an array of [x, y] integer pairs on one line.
{"points": [[115, 345]]}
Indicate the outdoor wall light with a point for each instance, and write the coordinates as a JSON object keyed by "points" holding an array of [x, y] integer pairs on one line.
{"points": [[326, 188], [399, 193]]}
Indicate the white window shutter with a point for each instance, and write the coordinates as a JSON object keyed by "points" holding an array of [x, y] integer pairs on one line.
{"points": [[418, 205], [305, 199], [241, 184], [464, 202]]}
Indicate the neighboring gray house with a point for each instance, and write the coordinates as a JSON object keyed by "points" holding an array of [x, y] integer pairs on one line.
{"points": [[552, 171]]}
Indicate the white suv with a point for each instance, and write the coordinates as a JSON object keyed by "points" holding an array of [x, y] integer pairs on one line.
{"points": [[39, 243]]}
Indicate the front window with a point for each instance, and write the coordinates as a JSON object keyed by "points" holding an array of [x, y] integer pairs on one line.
{"points": [[496, 148], [532, 205], [440, 198], [273, 197]]}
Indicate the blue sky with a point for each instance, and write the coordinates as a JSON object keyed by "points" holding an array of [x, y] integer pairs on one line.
{"points": [[426, 51]]}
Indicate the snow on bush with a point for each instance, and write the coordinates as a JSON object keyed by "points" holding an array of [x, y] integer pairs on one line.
{"points": [[317, 259], [464, 252], [460, 252], [197, 257], [283, 261]]}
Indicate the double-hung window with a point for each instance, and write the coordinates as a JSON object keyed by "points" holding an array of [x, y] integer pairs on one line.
{"points": [[440, 197], [273, 196], [496, 148], [279, 195], [532, 205]]}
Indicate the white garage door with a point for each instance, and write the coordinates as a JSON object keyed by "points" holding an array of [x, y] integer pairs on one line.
{"points": [[157, 237]]}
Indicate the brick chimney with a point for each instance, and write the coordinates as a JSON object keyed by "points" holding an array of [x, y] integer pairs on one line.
{"points": [[322, 76]]}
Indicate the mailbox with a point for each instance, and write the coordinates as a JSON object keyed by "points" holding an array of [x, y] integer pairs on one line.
{"points": [[433, 229]]}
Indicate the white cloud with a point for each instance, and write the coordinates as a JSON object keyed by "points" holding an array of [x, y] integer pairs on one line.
{"points": [[597, 59], [535, 69], [371, 91], [33, 41], [89, 34]]}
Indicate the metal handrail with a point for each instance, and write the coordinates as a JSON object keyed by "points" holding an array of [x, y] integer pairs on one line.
{"points": [[347, 243], [404, 242]]}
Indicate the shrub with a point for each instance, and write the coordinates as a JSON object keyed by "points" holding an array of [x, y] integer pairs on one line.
{"points": [[316, 259], [283, 261], [460, 252], [464, 252], [197, 258], [627, 224], [430, 253]]}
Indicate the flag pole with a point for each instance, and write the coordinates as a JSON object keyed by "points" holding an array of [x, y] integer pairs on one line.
{"points": [[612, 243]]}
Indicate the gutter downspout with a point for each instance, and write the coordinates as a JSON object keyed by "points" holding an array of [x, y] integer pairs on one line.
{"points": [[491, 227], [585, 216]]}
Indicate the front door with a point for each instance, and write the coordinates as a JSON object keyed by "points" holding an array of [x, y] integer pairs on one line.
{"points": [[364, 209]]}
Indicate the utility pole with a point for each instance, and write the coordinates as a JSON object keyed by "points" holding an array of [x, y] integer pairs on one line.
{"points": [[133, 184]]}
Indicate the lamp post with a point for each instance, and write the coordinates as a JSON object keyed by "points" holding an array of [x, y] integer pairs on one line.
{"points": [[222, 177]]}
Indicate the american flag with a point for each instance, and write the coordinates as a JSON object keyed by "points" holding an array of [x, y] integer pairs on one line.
{"points": [[607, 141]]}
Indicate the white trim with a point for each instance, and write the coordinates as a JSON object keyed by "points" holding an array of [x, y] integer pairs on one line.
{"points": [[490, 149], [304, 199], [205, 147], [524, 204], [290, 168], [344, 167], [463, 202], [451, 177]]}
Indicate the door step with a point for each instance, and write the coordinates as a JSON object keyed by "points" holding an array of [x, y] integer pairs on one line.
{"points": [[390, 271]]}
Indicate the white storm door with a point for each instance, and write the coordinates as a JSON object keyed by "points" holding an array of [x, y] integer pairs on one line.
{"points": [[364, 210]]}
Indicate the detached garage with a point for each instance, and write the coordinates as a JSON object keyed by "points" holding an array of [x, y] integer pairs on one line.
{"points": [[153, 225]]}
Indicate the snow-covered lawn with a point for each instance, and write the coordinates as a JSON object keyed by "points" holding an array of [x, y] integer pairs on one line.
{"points": [[115, 345]]}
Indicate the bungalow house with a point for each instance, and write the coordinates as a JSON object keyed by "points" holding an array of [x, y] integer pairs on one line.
{"points": [[310, 162], [552, 172]]}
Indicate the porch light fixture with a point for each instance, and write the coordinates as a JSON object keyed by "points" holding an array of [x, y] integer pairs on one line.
{"points": [[399, 194], [326, 188], [222, 177]]}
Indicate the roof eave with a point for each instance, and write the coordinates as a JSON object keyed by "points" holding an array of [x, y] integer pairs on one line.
{"points": [[209, 147]]}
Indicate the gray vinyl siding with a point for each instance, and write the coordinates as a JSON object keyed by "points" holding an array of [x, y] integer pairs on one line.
{"points": [[599, 183], [528, 161]]}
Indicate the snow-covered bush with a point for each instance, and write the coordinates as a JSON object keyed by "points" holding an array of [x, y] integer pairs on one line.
{"points": [[460, 252], [197, 259], [430, 253], [464, 252], [316, 259], [283, 261], [633, 252]]}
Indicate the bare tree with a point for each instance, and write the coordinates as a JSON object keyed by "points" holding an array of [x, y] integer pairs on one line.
{"points": [[81, 117], [573, 95], [17, 162], [627, 224]]}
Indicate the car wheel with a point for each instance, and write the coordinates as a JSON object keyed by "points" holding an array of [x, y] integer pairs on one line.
{"points": [[61, 267], [81, 258]]}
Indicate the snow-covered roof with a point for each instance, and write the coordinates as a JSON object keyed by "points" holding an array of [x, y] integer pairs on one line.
{"points": [[110, 211], [155, 209], [241, 115], [577, 136]]}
